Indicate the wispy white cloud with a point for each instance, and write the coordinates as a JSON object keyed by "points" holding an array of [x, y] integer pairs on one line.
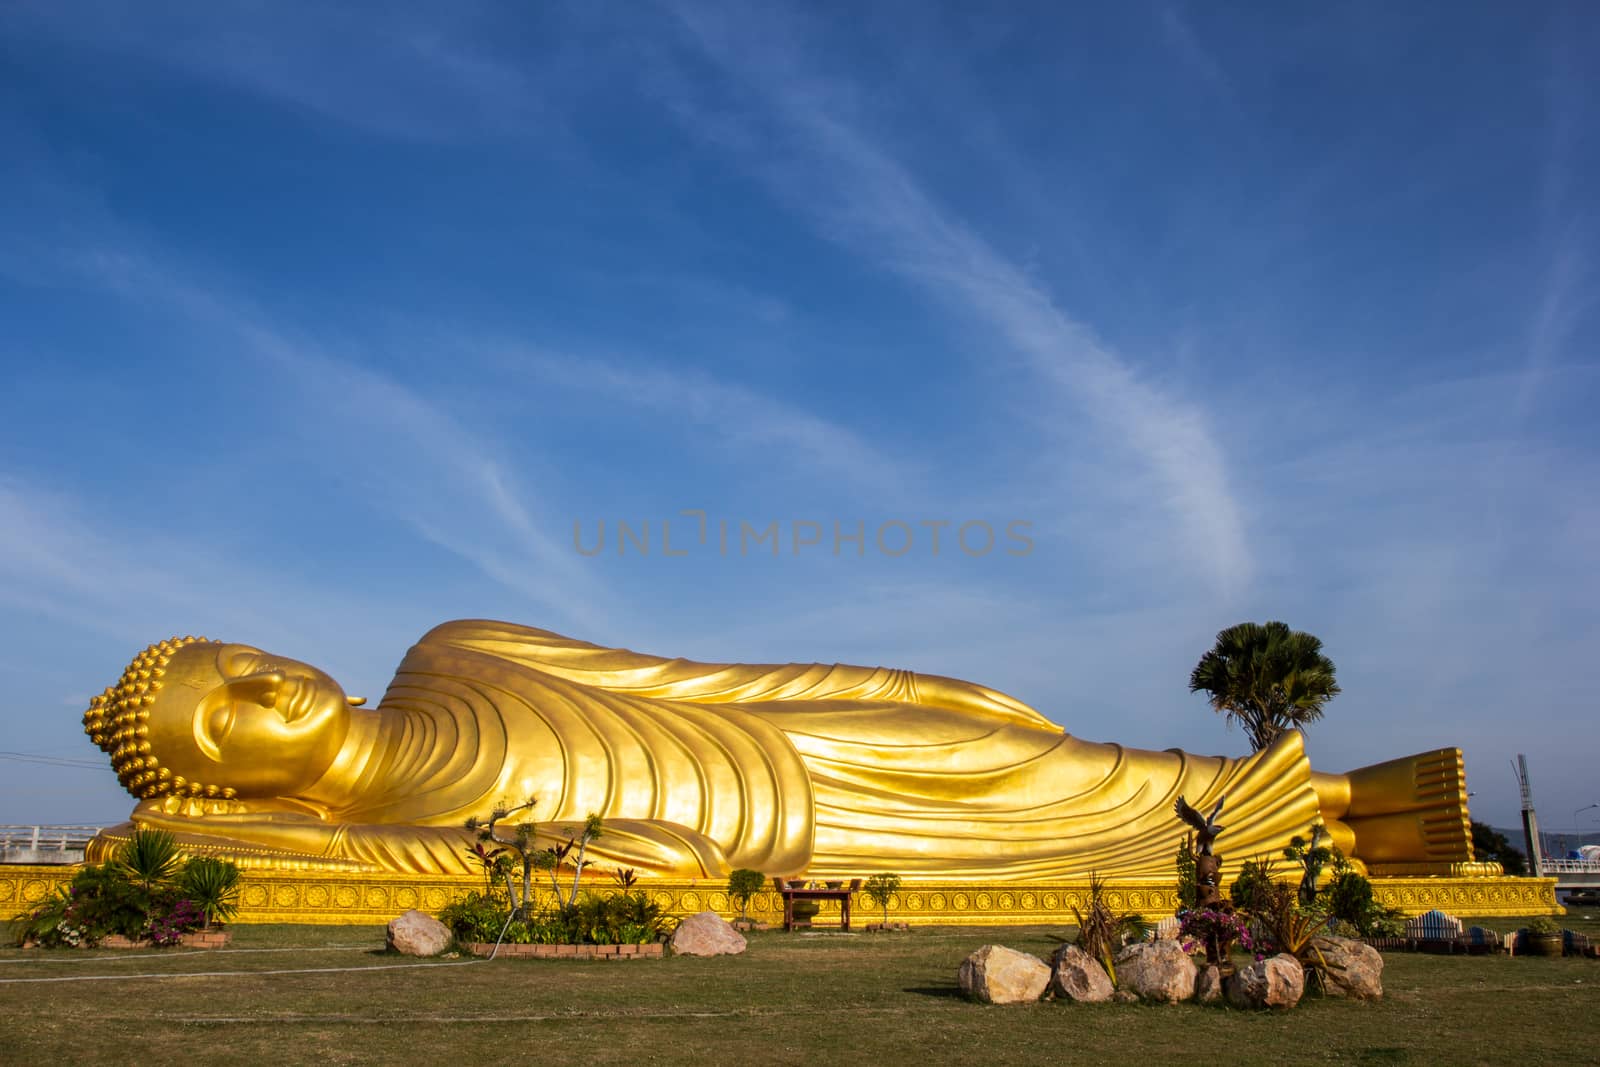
{"points": [[82, 564], [1565, 296], [398, 72], [740, 418], [1180, 35], [865, 198], [408, 457]]}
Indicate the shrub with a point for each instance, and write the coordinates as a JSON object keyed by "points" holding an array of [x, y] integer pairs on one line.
{"points": [[50, 925], [149, 859], [1252, 887], [127, 899], [167, 925], [104, 900], [1216, 931], [476, 917], [1188, 885], [212, 885], [744, 884], [614, 919], [1290, 925], [1544, 925], [1349, 897], [1384, 922]]}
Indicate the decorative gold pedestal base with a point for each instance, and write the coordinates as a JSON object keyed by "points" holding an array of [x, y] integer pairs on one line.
{"points": [[340, 898]]}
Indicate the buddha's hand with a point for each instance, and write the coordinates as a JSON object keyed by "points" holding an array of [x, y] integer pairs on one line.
{"points": [[182, 814], [254, 824], [189, 807]]}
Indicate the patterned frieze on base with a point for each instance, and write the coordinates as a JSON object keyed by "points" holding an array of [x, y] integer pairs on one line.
{"points": [[1469, 896], [341, 898]]}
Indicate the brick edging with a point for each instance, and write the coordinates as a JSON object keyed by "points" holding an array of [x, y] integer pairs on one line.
{"points": [[653, 951], [198, 939]]}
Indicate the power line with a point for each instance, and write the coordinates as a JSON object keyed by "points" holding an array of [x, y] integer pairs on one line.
{"points": [[52, 761]]}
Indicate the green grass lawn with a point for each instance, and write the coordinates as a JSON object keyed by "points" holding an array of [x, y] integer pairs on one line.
{"points": [[790, 999]]}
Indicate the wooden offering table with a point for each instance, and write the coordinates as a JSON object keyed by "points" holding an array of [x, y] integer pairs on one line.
{"points": [[794, 889]]}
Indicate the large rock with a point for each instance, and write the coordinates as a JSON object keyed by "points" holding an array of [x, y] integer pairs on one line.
{"points": [[416, 934], [1208, 984], [706, 934], [1079, 976], [1276, 982], [1353, 969], [1156, 970], [999, 975]]}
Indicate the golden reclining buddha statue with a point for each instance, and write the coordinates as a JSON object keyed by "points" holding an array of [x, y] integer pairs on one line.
{"points": [[698, 768]]}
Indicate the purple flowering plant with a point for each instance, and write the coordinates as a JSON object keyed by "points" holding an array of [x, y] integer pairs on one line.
{"points": [[1216, 931]]}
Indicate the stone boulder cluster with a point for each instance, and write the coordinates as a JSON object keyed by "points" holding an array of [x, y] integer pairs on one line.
{"points": [[1161, 972]]}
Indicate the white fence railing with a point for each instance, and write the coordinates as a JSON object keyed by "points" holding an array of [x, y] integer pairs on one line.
{"points": [[46, 838], [1569, 866]]}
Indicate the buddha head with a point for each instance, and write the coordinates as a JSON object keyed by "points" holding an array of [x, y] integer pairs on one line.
{"points": [[198, 718]]}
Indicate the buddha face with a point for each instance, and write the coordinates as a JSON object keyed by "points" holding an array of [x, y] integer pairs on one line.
{"points": [[236, 716]]}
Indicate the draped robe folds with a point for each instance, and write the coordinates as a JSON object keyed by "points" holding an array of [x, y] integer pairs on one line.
{"points": [[826, 770]]}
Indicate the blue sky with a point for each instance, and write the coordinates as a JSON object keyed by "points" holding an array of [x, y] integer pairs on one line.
{"points": [[326, 323]]}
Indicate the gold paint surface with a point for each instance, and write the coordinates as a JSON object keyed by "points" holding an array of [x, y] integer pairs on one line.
{"points": [[696, 768]]}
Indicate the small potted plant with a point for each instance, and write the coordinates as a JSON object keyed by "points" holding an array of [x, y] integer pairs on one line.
{"points": [[1544, 937]]}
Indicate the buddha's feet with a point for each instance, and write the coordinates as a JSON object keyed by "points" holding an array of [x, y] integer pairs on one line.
{"points": [[1412, 812]]}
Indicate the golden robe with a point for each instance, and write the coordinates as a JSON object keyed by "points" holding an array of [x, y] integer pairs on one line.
{"points": [[786, 768]]}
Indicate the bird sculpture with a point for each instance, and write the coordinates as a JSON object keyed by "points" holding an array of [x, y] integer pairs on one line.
{"points": [[1207, 868]]}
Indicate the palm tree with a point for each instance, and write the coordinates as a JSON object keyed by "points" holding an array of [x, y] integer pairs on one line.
{"points": [[150, 859], [1266, 676]]}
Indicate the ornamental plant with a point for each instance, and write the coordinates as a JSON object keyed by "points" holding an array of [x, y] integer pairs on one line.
{"points": [[1252, 888], [1290, 927], [149, 859], [146, 892], [212, 886], [1188, 878], [1312, 856], [1102, 931], [477, 917], [522, 843], [495, 863], [1215, 930], [880, 889], [743, 884], [168, 928]]}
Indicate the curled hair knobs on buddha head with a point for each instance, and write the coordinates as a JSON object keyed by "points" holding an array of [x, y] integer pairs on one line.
{"points": [[118, 721]]}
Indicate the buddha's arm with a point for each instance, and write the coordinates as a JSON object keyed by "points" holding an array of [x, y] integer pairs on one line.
{"points": [[620, 670], [284, 832], [270, 826]]}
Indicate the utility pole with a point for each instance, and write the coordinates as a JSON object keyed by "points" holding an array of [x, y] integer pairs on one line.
{"points": [[1530, 821]]}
